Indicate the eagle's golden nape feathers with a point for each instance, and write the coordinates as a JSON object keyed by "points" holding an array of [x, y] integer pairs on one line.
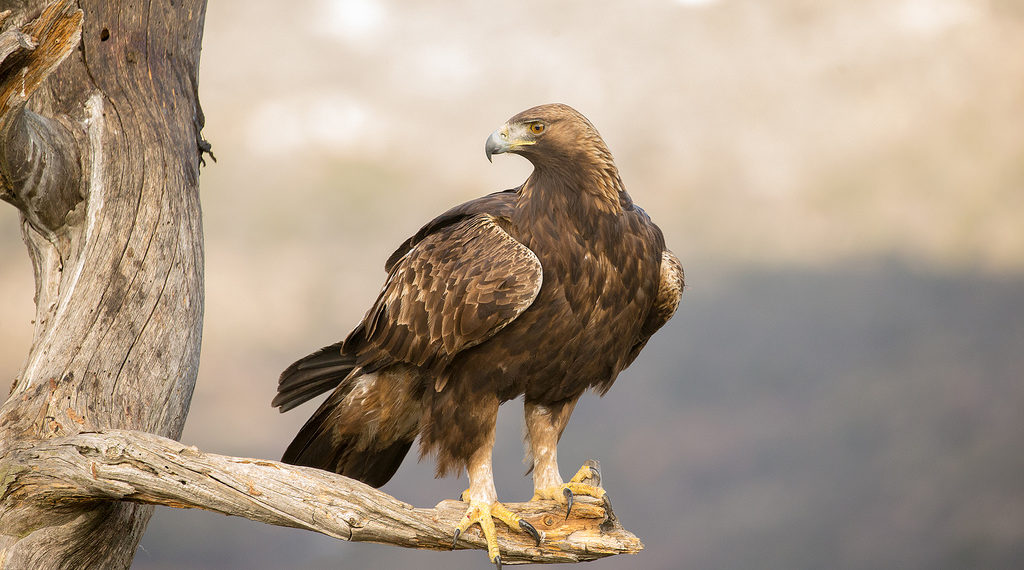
{"points": [[542, 291]]}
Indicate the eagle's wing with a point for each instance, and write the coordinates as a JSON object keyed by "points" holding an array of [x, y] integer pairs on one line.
{"points": [[499, 204], [326, 368], [453, 289], [670, 291]]}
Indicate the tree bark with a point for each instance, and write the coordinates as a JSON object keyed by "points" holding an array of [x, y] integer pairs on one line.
{"points": [[98, 151], [100, 145]]}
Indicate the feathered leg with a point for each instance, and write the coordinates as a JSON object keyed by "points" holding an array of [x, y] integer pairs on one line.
{"points": [[483, 501], [544, 426]]}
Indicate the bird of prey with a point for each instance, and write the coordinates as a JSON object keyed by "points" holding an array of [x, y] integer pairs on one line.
{"points": [[541, 291]]}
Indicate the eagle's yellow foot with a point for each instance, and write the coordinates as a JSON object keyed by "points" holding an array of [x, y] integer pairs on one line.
{"points": [[575, 486], [484, 514]]}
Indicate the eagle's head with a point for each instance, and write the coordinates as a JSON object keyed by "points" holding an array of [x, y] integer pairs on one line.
{"points": [[547, 135]]}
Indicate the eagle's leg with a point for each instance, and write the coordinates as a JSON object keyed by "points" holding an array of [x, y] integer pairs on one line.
{"points": [[544, 426], [483, 503]]}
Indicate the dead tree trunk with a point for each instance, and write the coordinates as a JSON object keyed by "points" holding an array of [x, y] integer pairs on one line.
{"points": [[100, 148], [99, 151]]}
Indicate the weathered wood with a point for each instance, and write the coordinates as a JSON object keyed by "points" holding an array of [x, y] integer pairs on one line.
{"points": [[144, 468], [29, 54], [99, 153], [39, 169]]}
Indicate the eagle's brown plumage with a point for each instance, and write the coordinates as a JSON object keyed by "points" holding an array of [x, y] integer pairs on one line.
{"points": [[544, 291]]}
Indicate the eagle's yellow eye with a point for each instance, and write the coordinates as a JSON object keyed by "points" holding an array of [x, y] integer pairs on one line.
{"points": [[536, 128]]}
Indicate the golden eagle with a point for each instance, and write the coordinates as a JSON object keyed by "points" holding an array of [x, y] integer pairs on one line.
{"points": [[541, 291]]}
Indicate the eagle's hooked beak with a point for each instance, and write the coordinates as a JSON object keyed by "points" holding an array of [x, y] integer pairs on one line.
{"points": [[497, 143], [507, 139]]}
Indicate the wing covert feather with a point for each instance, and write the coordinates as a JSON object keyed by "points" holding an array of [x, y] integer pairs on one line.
{"points": [[452, 290]]}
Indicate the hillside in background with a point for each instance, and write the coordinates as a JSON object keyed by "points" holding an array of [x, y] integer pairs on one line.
{"points": [[843, 181]]}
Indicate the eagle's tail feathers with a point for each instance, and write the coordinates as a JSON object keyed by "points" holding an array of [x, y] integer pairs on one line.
{"points": [[373, 466], [311, 376], [358, 434]]}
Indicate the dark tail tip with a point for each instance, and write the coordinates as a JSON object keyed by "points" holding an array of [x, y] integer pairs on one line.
{"points": [[320, 447], [311, 376], [326, 443]]}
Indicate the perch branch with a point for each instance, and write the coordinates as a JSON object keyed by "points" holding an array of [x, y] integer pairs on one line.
{"points": [[145, 468]]}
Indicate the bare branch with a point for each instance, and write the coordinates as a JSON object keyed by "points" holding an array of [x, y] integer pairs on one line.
{"points": [[145, 468], [39, 157], [29, 55]]}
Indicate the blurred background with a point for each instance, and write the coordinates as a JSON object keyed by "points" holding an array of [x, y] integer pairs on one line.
{"points": [[843, 385]]}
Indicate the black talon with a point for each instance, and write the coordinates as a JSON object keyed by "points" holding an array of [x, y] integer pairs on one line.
{"points": [[497, 562], [455, 538], [567, 493], [608, 508], [526, 526]]}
